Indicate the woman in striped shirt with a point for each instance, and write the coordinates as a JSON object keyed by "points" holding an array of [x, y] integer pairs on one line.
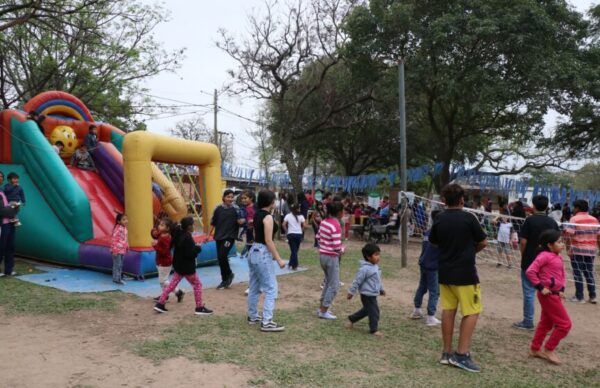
{"points": [[330, 250]]}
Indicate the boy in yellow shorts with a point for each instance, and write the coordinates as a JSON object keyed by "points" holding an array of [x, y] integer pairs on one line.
{"points": [[459, 236]]}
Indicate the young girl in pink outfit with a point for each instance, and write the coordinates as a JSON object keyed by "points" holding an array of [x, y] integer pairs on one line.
{"points": [[118, 247], [547, 274]]}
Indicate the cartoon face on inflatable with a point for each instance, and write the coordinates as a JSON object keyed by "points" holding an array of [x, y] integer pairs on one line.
{"points": [[66, 135]]}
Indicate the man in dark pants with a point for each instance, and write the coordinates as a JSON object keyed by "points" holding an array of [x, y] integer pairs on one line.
{"points": [[7, 233], [529, 234], [225, 222]]}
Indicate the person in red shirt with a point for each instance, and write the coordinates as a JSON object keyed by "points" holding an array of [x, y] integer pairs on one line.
{"points": [[164, 258]]}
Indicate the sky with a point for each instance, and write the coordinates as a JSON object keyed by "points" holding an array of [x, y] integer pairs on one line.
{"points": [[194, 25]]}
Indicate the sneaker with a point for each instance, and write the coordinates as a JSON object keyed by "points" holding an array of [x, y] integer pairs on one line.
{"points": [[522, 325], [271, 326], [13, 273], [326, 315], [432, 321], [159, 307], [341, 284], [444, 359], [416, 314], [203, 311], [577, 300], [119, 282], [229, 280], [498, 265], [156, 299], [247, 291], [221, 285], [179, 294], [592, 300], [254, 321], [1, 274], [464, 361]]}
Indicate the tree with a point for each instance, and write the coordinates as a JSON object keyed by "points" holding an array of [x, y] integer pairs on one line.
{"points": [[480, 74], [580, 133], [267, 154], [195, 129], [99, 51], [282, 44]]}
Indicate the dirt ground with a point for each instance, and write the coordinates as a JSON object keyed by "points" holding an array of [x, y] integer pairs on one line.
{"points": [[87, 348]]}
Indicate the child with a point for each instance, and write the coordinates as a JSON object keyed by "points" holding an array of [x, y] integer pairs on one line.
{"points": [[428, 265], [547, 274], [82, 159], [58, 147], [118, 247], [164, 260], [368, 283], [15, 194], [184, 262], [505, 229], [249, 199], [91, 139], [330, 251]]}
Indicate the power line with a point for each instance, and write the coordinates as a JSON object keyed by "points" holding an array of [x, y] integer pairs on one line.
{"points": [[238, 115]]}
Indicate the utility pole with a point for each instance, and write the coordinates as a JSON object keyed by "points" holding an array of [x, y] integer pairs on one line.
{"points": [[403, 186], [215, 129]]}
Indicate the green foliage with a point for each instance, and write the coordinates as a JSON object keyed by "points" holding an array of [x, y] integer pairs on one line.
{"points": [[99, 52], [480, 74]]}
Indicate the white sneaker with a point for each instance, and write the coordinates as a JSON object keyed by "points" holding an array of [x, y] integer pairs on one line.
{"points": [[247, 291], [432, 321], [327, 315], [416, 314], [341, 284]]}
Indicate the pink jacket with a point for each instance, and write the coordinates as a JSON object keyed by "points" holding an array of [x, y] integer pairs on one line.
{"points": [[547, 270], [119, 244]]}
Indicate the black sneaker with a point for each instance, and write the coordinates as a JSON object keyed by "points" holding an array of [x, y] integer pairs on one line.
{"points": [[523, 326], [179, 294], [221, 285], [271, 327], [445, 358], [254, 321], [203, 311], [229, 280], [159, 307], [156, 299], [464, 361]]}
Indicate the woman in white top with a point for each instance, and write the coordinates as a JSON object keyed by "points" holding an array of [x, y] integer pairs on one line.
{"points": [[293, 223]]}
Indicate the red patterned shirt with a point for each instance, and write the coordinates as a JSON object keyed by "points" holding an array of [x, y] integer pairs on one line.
{"points": [[584, 230], [119, 244]]}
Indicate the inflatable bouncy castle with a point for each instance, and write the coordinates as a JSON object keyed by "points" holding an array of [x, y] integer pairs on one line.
{"points": [[69, 213]]}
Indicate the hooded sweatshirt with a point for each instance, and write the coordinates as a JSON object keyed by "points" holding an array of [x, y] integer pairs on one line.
{"points": [[547, 270], [367, 280]]}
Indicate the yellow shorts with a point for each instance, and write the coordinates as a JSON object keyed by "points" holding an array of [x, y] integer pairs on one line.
{"points": [[469, 298]]}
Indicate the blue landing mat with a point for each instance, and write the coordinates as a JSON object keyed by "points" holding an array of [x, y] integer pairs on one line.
{"points": [[81, 280]]}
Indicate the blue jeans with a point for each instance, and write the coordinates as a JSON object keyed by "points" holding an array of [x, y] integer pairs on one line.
{"points": [[7, 247], [428, 282], [294, 241], [528, 300], [583, 267], [262, 277]]}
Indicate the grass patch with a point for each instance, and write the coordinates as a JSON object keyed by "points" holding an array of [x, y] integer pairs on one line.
{"points": [[20, 297], [313, 352]]}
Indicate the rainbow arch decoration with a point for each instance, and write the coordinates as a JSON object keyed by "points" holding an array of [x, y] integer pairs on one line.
{"points": [[59, 104]]}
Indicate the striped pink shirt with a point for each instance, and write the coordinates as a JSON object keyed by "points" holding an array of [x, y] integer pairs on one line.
{"points": [[584, 230], [330, 237]]}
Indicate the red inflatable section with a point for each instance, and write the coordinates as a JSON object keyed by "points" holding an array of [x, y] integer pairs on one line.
{"points": [[42, 98], [104, 205]]}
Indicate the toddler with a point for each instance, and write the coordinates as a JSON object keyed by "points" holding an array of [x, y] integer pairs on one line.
{"points": [[14, 194], [368, 283], [118, 247]]}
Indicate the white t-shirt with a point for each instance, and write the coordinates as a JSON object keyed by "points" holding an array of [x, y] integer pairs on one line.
{"points": [[504, 232], [294, 226]]}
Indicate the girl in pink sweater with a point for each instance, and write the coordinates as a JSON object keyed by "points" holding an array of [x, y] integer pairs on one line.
{"points": [[547, 274]]}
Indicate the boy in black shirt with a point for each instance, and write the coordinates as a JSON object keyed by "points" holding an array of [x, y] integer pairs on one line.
{"points": [[459, 237], [225, 222], [530, 234]]}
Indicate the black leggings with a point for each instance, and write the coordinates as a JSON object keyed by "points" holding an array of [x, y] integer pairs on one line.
{"points": [[223, 248]]}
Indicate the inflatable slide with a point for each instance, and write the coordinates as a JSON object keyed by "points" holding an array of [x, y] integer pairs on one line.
{"points": [[69, 213]]}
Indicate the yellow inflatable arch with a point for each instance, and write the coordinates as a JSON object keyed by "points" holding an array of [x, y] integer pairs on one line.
{"points": [[140, 148]]}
